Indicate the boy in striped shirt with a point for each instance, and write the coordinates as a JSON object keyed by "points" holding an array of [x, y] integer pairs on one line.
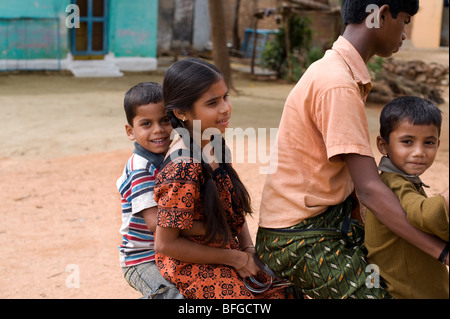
{"points": [[149, 127]]}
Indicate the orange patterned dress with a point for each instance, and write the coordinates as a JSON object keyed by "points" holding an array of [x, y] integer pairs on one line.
{"points": [[178, 194]]}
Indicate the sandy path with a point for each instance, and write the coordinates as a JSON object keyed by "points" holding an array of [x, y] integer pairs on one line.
{"points": [[63, 147]]}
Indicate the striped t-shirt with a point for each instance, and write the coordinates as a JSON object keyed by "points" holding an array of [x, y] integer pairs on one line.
{"points": [[136, 188]]}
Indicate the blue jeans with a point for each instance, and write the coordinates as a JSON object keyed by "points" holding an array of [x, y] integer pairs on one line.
{"points": [[147, 279]]}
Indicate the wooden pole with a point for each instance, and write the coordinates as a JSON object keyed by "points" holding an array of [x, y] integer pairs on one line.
{"points": [[287, 40], [255, 36]]}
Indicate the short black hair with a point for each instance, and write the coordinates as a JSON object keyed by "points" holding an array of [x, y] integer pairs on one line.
{"points": [[354, 11], [141, 94], [416, 110]]}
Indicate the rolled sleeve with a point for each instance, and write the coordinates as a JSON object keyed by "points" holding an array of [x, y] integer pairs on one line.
{"points": [[343, 122]]}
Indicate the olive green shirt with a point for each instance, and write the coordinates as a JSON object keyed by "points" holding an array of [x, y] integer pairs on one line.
{"points": [[408, 272]]}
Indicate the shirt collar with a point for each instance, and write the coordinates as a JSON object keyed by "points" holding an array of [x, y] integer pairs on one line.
{"points": [[387, 166], [354, 61], [155, 159]]}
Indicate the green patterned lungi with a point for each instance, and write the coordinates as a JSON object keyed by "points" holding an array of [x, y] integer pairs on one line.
{"points": [[324, 255]]}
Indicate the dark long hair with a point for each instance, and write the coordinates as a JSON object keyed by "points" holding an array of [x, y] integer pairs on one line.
{"points": [[184, 83]]}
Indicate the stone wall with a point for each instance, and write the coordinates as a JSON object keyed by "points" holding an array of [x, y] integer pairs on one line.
{"points": [[415, 77]]}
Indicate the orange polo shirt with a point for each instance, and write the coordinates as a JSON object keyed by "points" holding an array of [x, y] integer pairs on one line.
{"points": [[323, 117]]}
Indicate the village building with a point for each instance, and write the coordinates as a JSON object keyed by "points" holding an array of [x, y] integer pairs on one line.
{"points": [[110, 36], [107, 37]]}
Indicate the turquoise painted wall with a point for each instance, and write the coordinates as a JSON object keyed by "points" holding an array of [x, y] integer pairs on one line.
{"points": [[133, 28], [31, 29], [32, 8], [32, 39]]}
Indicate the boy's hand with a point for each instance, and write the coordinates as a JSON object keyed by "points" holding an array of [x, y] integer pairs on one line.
{"points": [[247, 267]]}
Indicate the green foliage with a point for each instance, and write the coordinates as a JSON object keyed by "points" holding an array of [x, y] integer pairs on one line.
{"points": [[275, 55], [375, 65]]}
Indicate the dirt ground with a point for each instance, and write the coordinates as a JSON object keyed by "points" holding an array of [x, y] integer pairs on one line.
{"points": [[64, 146]]}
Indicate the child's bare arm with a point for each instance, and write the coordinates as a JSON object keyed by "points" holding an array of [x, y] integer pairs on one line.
{"points": [[245, 240], [198, 229], [150, 217], [169, 242], [385, 205]]}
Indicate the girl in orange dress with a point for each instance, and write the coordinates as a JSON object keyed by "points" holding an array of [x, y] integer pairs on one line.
{"points": [[197, 183]]}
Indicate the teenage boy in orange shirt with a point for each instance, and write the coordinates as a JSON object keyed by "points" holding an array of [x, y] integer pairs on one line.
{"points": [[306, 231]]}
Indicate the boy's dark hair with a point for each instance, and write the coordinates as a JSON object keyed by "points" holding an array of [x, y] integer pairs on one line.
{"points": [[416, 110], [141, 94], [354, 11]]}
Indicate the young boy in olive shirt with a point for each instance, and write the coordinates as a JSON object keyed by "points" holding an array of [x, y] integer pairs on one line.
{"points": [[410, 131]]}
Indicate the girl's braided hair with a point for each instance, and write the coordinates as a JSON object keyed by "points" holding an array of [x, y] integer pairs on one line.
{"points": [[184, 83]]}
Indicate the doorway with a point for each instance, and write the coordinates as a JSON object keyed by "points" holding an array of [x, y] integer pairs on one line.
{"points": [[89, 41]]}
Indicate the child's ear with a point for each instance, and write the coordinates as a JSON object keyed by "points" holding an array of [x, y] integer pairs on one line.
{"points": [[382, 145], [130, 132], [383, 13], [180, 114]]}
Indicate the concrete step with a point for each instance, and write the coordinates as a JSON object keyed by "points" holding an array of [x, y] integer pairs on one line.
{"points": [[94, 68]]}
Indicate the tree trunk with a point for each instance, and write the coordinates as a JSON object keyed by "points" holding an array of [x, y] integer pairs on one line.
{"points": [[236, 40], [220, 51], [287, 39], [255, 39]]}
